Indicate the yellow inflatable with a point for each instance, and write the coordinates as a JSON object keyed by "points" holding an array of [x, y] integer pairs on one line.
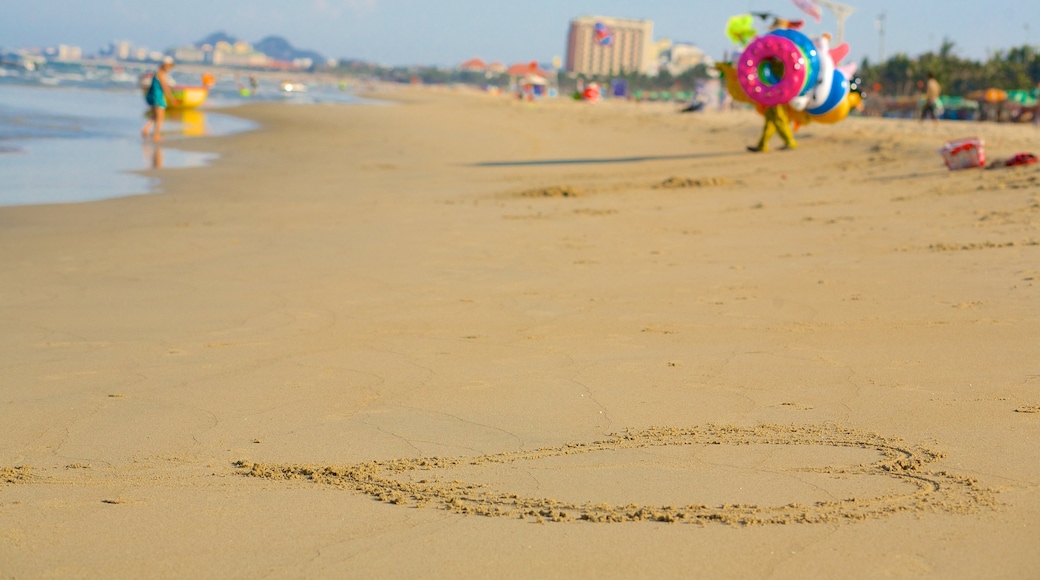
{"points": [[732, 84], [841, 111], [189, 97]]}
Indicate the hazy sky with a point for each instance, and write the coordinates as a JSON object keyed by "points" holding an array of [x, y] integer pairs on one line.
{"points": [[446, 32]]}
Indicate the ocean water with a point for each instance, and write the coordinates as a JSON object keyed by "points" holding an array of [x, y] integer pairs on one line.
{"points": [[71, 134]]}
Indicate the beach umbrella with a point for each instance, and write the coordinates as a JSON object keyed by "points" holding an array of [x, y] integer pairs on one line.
{"points": [[988, 95], [741, 29], [996, 95], [811, 8], [1024, 98]]}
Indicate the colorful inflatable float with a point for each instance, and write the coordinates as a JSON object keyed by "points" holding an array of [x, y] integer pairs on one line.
{"points": [[188, 96], [786, 68]]}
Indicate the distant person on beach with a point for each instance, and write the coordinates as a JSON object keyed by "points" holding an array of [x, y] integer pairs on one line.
{"points": [[1036, 109], [776, 122], [932, 92], [158, 98]]}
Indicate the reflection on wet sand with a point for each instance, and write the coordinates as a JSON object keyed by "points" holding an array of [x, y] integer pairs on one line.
{"points": [[182, 122], [153, 155], [192, 121]]}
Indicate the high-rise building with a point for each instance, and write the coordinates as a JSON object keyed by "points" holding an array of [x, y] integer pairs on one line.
{"points": [[185, 54], [122, 49], [608, 46], [66, 53]]}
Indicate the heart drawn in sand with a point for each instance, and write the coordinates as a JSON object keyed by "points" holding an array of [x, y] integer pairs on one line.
{"points": [[909, 485]]}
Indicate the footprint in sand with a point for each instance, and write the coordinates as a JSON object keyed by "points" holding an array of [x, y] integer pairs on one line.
{"points": [[986, 245], [11, 475], [554, 191], [686, 182]]}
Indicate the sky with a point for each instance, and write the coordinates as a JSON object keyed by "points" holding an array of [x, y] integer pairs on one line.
{"points": [[447, 32]]}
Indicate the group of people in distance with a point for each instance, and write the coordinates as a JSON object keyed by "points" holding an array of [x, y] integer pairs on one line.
{"points": [[159, 98]]}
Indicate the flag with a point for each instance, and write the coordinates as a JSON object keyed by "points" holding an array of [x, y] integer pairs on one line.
{"points": [[604, 36], [811, 8]]}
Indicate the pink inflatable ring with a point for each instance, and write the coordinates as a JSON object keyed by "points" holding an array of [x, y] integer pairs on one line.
{"points": [[776, 49]]}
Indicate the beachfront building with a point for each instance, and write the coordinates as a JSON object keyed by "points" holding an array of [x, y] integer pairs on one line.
{"points": [[477, 65], [679, 57], [121, 49], [474, 65], [65, 53], [189, 54], [630, 48], [223, 53], [240, 53]]}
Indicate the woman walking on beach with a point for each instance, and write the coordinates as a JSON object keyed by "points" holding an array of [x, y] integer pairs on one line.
{"points": [[158, 98]]}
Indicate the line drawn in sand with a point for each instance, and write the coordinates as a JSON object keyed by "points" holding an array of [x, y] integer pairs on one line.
{"points": [[394, 481]]}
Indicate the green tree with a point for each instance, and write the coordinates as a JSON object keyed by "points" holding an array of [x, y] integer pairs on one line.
{"points": [[1016, 68]]}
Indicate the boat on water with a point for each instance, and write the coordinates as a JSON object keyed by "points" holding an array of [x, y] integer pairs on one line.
{"points": [[188, 96]]}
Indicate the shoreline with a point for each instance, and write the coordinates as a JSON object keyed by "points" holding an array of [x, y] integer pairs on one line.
{"points": [[78, 145], [200, 381]]}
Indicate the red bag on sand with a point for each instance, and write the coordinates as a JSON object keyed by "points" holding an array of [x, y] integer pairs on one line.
{"points": [[1021, 159], [964, 153]]}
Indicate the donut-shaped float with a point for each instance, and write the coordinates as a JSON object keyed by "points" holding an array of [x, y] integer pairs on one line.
{"points": [[839, 92], [773, 52], [825, 76], [809, 53]]}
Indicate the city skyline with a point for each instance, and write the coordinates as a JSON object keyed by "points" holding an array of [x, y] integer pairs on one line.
{"points": [[407, 32]]}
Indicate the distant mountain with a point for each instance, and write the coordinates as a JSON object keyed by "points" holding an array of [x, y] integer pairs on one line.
{"points": [[216, 37], [279, 48]]}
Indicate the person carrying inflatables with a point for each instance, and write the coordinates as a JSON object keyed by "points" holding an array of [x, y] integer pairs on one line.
{"points": [[776, 123], [787, 77], [158, 98]]}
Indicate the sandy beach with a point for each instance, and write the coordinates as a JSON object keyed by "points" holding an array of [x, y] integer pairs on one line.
{"points": [[464, 336]]}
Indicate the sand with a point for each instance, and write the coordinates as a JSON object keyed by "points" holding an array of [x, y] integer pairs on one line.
{"points": [[461, 336]]}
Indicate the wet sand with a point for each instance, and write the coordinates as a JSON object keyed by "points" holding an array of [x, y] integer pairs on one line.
{"points": [[465, 336]]}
